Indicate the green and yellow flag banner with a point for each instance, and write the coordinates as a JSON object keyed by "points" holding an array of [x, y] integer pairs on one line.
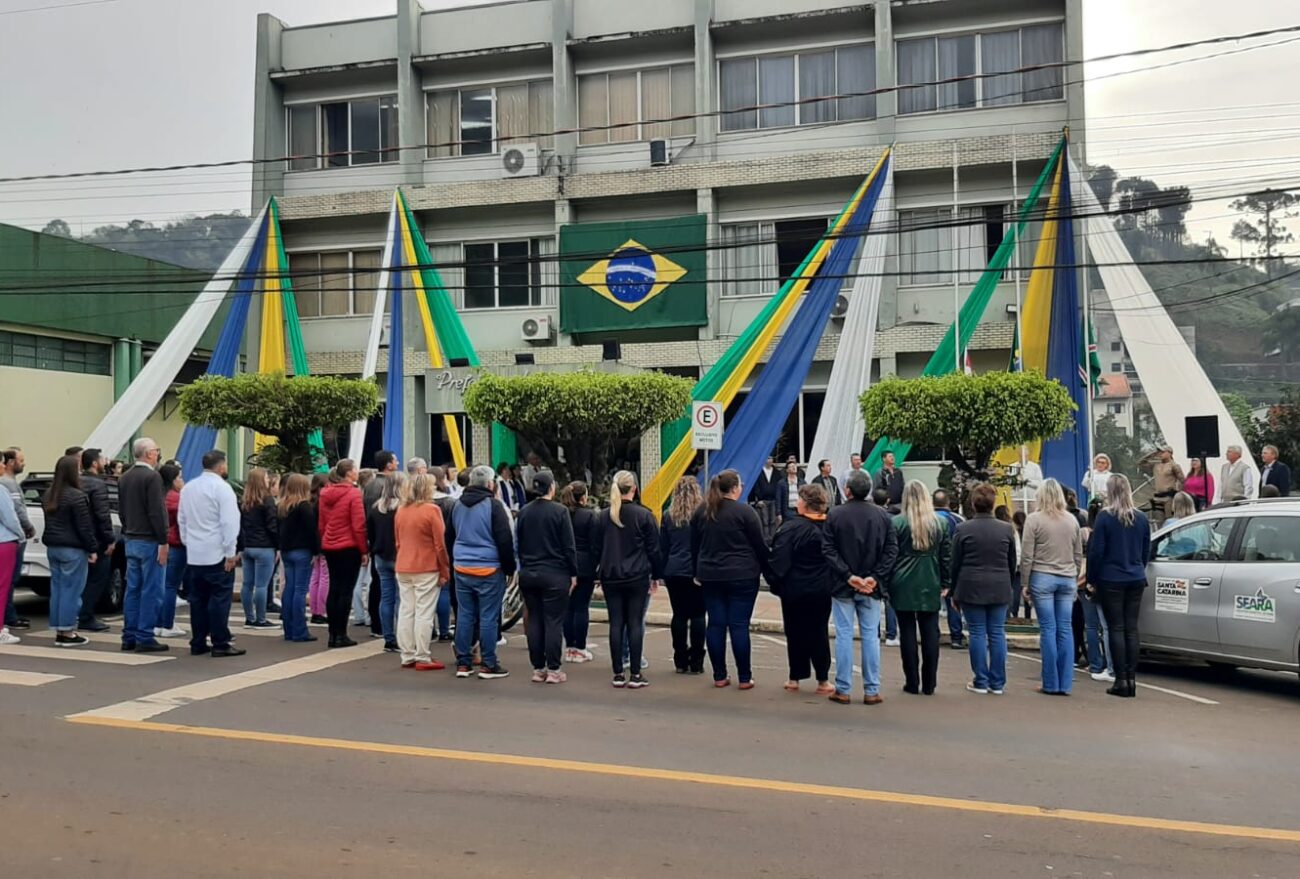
{"points": [[634, 275]]}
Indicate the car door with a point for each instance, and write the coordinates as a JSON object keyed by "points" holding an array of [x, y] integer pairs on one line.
{"points": [[1181, 605], [1259, 604]]}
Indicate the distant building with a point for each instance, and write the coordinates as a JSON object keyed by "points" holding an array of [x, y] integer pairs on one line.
{"points": [[1115, 398], [77, 324], [1115, 361]]}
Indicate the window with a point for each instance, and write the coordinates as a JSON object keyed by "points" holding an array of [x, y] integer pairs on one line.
{"points": [[790, 85], [928, 60], [52, 353], [499, 274], [335, 283], [342, 133], [926, 239], [479, 121], [1198, 541], [1117, 346], [759, 257], [1115, 366], [1115, 408], [1271, 539], [621, 107]]}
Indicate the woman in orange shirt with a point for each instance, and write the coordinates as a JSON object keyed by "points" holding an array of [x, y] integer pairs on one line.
{"points": [[422, 567]]}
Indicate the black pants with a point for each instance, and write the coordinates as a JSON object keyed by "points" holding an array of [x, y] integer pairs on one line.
{"points": [[1078, 626], [625, 602], [577, 616], [372, 601], [547, 597], [1120, 602], [98, 575], [927, 621], [344, 566], [689, 622], [212, 588], [806, 642]]}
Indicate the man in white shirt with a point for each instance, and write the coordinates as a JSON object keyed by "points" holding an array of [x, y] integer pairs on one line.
{"points": [[855, 464], [1236, 479], [208, 518]]}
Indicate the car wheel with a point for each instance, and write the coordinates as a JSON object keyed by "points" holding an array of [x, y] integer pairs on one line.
{"points": [[111, 601], [512, 606]]}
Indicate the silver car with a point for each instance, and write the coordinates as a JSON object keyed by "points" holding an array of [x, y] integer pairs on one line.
{"points": [[1224, 586]]}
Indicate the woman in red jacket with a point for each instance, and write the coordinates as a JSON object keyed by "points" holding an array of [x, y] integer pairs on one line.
{"points": [[341, 521]]}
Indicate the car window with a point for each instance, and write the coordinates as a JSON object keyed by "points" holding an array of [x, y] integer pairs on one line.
{"points": [[1271, 539], [1206, 540]]}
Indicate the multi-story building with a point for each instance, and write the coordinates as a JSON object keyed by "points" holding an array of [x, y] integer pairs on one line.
{"points": [[431, 100]]}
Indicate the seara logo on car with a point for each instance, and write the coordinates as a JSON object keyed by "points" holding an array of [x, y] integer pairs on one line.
{"points": [[1258, 608]]}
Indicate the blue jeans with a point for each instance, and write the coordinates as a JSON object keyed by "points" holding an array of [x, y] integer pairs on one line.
{"points": [[175, 575], [988, 644], [867, 611], [444, 612], [1053, 596], [1096, 633], [388, 598], [360, 595], [259, 565], [144, 590], [954, 622], [293, 601], [891, 623], [68, 566], [478, 598], [11, 613], [729, 605]]}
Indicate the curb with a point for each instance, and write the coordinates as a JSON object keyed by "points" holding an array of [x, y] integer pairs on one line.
{"points": [[776, 627]]}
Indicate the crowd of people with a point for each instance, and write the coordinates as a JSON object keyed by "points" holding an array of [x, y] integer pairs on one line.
{"points": [[400, 552]]}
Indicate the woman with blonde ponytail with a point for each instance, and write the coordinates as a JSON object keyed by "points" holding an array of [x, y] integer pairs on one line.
{"points": [[629, 561], [922, 578]]}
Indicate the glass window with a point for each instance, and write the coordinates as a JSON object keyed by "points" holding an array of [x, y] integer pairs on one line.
{"points": [[856, 75], [593, 109], [794, 239], [622, 107], [390, 136], [956, 59], [480, 276], [440, 124], [335, 284], [739, 88], [788, 86], [541, 112], [514, 275], [365, 278], [504, 274], [776, 91], [476, 107], [302, 138], [1043, 44], [1000, 52], [304, 269], [55, 354], [656, 102], [749, 259], [365, 132], [1206, 540], [683, 100], [1271, 539], [816, 80], [916, 64], [925, 246], [334, 134]]}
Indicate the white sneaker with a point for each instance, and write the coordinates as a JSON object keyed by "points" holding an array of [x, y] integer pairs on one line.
{"points": [[170, 633], [645, 663], [892, 642], [1103, 676], [7, 638], [502, 641], [587, 655], [181, 602]]}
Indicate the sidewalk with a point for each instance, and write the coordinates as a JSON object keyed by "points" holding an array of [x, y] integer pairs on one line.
{"points": [[767, 619]]}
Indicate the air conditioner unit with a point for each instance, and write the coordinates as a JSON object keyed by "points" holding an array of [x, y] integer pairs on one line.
{"points": [[841, 306], [659, 153], [521, 160], [536, 329]]}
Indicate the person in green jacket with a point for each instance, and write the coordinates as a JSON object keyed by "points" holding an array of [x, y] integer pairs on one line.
{"points": [[921, 580]]}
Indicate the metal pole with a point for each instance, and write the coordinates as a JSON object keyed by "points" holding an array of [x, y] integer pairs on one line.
{"points": [[706, 468], [1018, 355], [956, 263]]}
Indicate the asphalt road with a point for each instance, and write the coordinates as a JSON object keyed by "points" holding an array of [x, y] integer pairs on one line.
{"points": [[272, 765]]}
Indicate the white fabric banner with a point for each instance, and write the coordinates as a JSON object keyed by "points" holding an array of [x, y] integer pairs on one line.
{"points": [[143, 395], [841, 429], [1171, 376], [357, 437]]}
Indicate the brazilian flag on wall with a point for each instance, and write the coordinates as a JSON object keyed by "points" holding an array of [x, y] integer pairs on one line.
{"points": [[634, 275]]}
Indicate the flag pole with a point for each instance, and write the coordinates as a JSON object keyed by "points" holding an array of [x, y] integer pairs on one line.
{"points": [[1019, 344], [1087, 307], [956, 264]]}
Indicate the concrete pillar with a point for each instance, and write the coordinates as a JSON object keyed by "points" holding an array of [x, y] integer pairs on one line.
{"points": [[269, 140], [481, 444], [888, 365], [887, 115], [564, 84], [706, 203], [706, 126], [421, 438], [410, 94], [121, 367], [411, 405]]}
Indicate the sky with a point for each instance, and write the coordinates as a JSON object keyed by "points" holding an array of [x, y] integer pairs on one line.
{"points": [[100, 84]]}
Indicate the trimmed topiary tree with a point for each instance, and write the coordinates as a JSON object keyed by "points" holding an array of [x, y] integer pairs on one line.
{"points": [[289, 409], [581, 412]]}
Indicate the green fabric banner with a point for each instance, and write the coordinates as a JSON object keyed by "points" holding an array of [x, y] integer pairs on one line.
{"points": [[634, 275]]}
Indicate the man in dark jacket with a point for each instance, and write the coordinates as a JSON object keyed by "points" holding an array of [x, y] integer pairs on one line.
{"points": [[762, 497], [828, 482], [861, 547], [143, 510], [483, 558], [100, 571], [891, 477], [1274, 472], [548, 572]]}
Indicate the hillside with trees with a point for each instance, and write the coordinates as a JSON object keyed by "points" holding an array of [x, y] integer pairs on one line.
{"points": [[193, 242]]}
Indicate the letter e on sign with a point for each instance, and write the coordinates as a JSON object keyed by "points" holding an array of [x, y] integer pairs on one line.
{"points": [[706, 426]]}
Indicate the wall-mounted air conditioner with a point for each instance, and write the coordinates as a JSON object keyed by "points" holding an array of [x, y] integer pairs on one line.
{"points": [[521, 160], [536, 329]]}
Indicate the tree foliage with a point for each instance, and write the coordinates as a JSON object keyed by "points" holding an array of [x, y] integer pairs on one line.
{"points": [[1271, 208], [288, 409], [1282, 332], [972, 416], [195, 242], [581, 412], [1123, 449], [1281, 428]]}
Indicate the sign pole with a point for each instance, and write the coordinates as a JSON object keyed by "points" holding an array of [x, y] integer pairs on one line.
{"points": [[706, 469]]}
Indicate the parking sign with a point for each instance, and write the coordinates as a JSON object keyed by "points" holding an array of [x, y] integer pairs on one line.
{"points": [[706, 426]]}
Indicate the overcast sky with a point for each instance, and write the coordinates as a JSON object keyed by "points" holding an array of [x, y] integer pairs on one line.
{"points": [[103, 84]]}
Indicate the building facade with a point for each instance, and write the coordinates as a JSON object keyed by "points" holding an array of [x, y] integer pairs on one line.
{"points": [[431, 101]]}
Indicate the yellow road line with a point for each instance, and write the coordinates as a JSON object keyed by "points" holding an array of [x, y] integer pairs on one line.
{"points": [[1131, 822]]}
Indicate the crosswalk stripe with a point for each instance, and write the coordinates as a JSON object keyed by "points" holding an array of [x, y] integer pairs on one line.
{"points": [[82, 654], [29, 678]]}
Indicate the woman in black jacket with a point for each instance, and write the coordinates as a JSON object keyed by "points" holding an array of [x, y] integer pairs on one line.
{"points": [[803, 582], [71, 548], [629, 562], [380, 519], [299, 544], [577, 616], [983, 557], [259, 528], [730, 555], [689, 623]]}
